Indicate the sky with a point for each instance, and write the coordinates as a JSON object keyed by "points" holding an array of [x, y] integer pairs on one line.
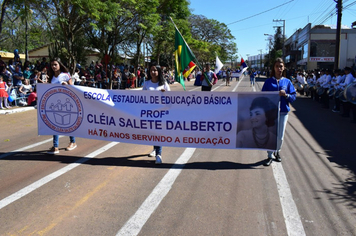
{"points": [[249, 20]]}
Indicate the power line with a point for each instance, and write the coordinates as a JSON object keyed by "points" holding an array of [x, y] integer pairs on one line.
{"points": [[260, 13]]}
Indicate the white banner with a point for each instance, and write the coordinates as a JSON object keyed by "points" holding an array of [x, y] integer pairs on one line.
{"points": [[224, 120]]}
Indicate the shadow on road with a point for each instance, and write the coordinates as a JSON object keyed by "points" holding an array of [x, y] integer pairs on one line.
{"points": [[130, 161], [337, 136]]}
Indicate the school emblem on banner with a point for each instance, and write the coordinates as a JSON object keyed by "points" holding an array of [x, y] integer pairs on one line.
{"points": [[61, 110]]}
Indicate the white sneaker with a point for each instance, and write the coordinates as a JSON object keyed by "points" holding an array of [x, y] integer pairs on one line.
{"points": [[53, 150], [158, 159], [71, 146], [152, 154]]}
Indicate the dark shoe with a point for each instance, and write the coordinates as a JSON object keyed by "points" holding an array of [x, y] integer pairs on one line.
{"points": [[278, 157], [268, 162]]}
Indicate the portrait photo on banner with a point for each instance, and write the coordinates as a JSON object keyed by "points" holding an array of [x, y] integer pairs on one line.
{"points": [[257, 121]]}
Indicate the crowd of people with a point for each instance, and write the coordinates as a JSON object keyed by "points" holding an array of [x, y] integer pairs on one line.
{"points": [[327, 87], [19, 80]]}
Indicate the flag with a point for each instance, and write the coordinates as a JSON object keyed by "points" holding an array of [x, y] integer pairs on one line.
{"points": [[243, 66], [184, 59], [218, 65]]}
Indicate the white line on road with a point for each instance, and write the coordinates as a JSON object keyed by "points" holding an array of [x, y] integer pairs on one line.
{"points": [[27, 147], [237, 85], [290, 212], [134, 225], [23, 192]]}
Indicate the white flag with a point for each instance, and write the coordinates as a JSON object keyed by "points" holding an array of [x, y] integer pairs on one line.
{"points": [[218, 65]]}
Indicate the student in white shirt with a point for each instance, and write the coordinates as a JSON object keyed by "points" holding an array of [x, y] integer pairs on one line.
{"points": [[156, 82]]}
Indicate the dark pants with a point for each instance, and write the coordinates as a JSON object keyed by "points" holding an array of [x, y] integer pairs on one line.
{"points": [[337, 104], [346, 109], [205, 88], [325, 99]]}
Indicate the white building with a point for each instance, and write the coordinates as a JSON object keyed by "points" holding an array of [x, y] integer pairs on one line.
{"points": [[257, 61], [314, 48]]}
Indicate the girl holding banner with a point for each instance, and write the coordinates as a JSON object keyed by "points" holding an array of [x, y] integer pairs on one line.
{"points": [[156, 82], [58, 74], [287, 95]]}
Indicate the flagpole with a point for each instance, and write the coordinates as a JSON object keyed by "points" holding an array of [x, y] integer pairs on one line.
{"points": [[201, 68]]}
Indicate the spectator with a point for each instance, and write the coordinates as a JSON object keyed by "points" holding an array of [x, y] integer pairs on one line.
{"points": [[24, 91], [75, 77], [32, 98], [44, 76], [116, 80], [17, 77], [3, 94], [35, 77], [27, 73]]}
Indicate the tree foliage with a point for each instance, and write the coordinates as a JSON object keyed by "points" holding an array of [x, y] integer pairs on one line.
{"points": [[213, 38], [275, 46], [114, 27]]}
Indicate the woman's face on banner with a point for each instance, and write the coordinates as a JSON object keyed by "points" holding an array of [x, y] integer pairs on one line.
{"points": [[257, 117]]}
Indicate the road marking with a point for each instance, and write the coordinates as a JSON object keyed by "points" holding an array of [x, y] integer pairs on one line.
{"points": [[23, 192], [77, 204], [237, 85], [289, 208], [27, 147], [134, 225], [216, 87]]}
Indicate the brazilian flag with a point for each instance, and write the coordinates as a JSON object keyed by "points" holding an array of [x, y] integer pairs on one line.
{"points": [[184, 59]]}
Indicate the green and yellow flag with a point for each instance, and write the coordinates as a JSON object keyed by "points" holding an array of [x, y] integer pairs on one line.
{"points": [[184, 59]]}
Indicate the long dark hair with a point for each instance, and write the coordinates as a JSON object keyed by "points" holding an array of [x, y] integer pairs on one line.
{"points": [[62, 68], [161, 79], [278, 60]]}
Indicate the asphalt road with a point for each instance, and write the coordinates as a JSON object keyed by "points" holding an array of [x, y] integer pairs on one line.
{"points": [[103, 188]]}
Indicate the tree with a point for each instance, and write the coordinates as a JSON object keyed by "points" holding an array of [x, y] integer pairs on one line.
{"points": [[4, 5], [107, 34], [213, 38], [163, 39], [14, 32], [66, 20], [277, 46]]}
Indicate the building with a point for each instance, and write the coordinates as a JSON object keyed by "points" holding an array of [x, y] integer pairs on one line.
{"points": [[38, 53], [257, 61], [314, 48], [6, 56], [92, 55]]}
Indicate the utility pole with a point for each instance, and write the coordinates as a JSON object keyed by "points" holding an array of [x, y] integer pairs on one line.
{"points": [[284, 35], [338, 32], [260, 62]]}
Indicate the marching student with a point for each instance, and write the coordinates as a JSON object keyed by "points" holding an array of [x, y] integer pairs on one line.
{"points": [[348, 80], [326, 85], [209, 79], [156, 82], [287, 95], [58, 74]]}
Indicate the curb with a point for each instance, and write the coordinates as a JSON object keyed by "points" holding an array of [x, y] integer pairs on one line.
{"points": [[15, 110]]}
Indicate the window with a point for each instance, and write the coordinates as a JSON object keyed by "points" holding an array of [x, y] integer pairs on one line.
{"points": [[322, 48]]}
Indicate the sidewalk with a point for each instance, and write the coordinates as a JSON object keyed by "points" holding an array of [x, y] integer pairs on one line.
{"points": [[15, 110]]}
